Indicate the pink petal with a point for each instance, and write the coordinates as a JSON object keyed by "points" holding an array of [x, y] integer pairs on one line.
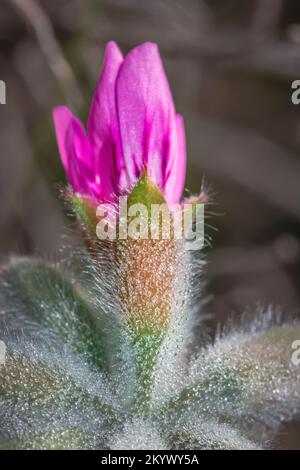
{"points": [[176, 168], [103, 126], [145, 108], [132, 127], [103, 121], [62, 118], [75, 150], [80, 169]]}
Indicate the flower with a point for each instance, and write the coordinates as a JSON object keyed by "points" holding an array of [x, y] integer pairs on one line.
{"points": [[132, 128]]}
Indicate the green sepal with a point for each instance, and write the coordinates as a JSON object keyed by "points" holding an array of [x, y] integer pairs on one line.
{"points": [[85, 211], [145, 192]]}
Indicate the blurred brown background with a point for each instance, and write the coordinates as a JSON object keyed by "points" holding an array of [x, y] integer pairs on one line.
{"points": [[230, 64]]}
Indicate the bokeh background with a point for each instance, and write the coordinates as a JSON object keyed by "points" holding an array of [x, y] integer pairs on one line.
{"points": [[230, 64]]}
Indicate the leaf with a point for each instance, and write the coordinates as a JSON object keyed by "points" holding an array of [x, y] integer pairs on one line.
{"points": [[26, 381], [53, 439], [245, 378], [208, 435], [34, 293], [32, 289], [42, 388], [56, 439], [35, 375], [10, 444]]}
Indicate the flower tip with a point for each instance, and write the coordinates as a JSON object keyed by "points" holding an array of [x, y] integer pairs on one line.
{"points": [[180, 119], [147, 49], [62, 117], [60, 112], [112, 50]]}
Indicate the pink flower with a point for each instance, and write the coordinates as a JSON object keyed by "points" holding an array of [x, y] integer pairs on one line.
{"points": [[132, 127]]}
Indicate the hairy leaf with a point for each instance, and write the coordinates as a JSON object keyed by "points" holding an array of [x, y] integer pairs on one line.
{"points": [[34, 290]]}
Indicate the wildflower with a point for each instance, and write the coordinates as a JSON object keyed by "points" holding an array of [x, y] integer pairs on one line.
{"points": [[134, 145], [101, 358], [132, 127]]}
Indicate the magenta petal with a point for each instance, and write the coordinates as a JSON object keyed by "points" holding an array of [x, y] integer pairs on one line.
{"points": [[62, 117], [80, 173], [103, 125], [103, 121], [176, 167], [145, 107], [75, 150], [132, 127]]}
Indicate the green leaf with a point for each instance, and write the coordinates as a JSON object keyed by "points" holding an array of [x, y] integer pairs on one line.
{"points": [[10, 444], [43, 390], [27, 382], [54, 439], [34, 289], [209, 435], [246, 375], [33, 377]]}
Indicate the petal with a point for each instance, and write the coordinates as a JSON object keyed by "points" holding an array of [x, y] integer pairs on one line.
{"points": [[62, 117], [145, 109], [176, 168], [76, 152], [103, 125], [103, 121], [80, 168]]}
